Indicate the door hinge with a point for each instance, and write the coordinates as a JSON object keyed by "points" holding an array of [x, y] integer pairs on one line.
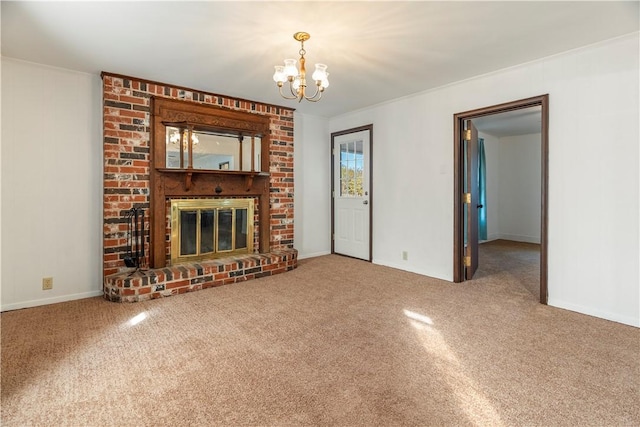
{"points": [[333, 237], [467, 261], [333, 194], [466, 198], [467, 135]]}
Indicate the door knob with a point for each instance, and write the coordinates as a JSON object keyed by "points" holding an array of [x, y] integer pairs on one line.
{"points": [[366, 202], [480, 206]]}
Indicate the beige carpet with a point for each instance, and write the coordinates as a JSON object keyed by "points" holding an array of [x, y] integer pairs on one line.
{"points": [[336, 342], [512, 264]]}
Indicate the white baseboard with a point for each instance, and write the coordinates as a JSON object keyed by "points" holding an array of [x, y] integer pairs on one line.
{"points": [[516, 238], [313, 255], [590, 311], [411, 269], [53, 300]]}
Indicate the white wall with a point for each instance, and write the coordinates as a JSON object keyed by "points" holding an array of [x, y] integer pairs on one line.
{"points": [[593, 167], [513, 187], [492, 158], [412, 183], [51, 184], [519, 202], [312, 191], [0, 186]]}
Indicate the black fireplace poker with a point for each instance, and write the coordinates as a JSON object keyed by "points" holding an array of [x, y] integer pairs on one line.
{"points": [[135, 238]]}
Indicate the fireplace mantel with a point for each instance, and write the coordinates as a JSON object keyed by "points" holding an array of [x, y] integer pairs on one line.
{"points": [[167, 183], [188, 175]]}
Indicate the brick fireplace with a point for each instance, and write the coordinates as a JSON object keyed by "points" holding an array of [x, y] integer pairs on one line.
{"points": [[128, 183]]}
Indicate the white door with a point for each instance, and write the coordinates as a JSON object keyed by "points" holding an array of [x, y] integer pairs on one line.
{"points": [[351, 194]]}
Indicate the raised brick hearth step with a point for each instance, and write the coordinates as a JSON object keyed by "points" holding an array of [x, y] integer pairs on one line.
{"points": [[163, 282]]}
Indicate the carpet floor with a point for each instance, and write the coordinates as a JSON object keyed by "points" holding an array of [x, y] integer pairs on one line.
{"points": [[336, 342]]}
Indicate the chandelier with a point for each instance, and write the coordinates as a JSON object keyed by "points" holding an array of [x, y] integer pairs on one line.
{"points": [[297, 77], [174, 138]]}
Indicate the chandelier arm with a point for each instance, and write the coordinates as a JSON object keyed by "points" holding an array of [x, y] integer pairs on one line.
{"points": [[285, 96], [314, 99], [294, 93], [318, 94]]}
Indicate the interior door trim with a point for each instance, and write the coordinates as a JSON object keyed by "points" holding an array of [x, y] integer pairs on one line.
{"points": [[369, 128], [458, 228]]}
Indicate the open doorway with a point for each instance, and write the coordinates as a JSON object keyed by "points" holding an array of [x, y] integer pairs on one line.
{"points": [[468, 203], [509, 177]]}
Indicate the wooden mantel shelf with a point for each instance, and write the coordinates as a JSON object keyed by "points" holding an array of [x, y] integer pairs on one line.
{"points": [[188, 175]]}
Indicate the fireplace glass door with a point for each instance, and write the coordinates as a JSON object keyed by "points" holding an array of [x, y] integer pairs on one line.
{"points": [[210, 228]]}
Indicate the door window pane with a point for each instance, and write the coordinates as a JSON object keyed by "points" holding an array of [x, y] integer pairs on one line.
{"points": [[351, 169]]}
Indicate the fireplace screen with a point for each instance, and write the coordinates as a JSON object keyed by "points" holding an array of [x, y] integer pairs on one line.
{"points": [[210, 228]]}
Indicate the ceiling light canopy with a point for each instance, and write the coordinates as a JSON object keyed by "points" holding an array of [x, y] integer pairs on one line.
{"points": [[289, 72]]}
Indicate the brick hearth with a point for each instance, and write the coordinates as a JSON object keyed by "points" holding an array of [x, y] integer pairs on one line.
{"points": [[156, 283]]}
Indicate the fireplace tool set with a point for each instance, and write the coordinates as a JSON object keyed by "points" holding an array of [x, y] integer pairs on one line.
{"points": [[135, 238]]}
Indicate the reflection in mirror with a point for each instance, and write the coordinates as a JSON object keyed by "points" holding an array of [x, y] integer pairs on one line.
{"points": [[246, 153], [213, 151], [216, 152], [173, 138]]}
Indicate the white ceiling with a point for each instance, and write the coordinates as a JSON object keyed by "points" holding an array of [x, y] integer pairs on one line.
{"points": [[375, 51], [511, 123]]}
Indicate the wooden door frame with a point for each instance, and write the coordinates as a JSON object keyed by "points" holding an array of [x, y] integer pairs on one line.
{"points": [[473, 188], [369, 128], [458, 228]]}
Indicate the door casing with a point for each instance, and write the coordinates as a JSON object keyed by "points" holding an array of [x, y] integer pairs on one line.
{"points": [[369, 128], [458, 205], [471, 251]]}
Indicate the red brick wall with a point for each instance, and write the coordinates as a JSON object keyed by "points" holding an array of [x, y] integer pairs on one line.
{"points": [[126, 118]]}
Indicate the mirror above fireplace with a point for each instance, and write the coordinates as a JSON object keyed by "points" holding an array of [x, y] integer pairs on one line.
{"points": [[211, 149]]}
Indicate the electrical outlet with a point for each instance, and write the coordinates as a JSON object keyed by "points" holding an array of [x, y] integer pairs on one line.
{"points": [[47, 283], [405, 255]]}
